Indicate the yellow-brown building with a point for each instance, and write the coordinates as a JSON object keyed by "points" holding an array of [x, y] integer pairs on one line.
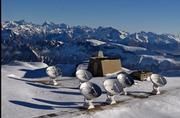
{"points": [[100, 65]]}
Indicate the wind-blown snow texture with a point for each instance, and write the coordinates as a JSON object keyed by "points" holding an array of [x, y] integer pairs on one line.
{"points": [[23, 96], [63, 44]]}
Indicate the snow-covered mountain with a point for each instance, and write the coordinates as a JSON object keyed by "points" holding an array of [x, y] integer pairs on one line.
{"points": [[60, 43]]}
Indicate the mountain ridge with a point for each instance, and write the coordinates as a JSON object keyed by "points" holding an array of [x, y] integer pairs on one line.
{"points": [[60, 43]]}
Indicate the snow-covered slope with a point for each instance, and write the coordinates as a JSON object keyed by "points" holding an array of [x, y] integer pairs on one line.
{"points": [[23, 96]]}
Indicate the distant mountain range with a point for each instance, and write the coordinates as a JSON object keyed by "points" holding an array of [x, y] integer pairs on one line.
{"points": [[60, 43]]}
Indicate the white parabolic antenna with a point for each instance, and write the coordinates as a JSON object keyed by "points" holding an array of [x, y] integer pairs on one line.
{"points": [[112, 86], [125, 80], [53, 71], [83, 75], [90, 90], [158, 80]]}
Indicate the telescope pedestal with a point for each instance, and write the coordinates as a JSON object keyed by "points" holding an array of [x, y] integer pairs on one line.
{"points": [[110, 99], [124, 91], [155, 90], [88, 104], [53, 81]]}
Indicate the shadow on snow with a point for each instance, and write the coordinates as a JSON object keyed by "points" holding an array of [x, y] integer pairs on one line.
{"points": [[36, 73]]}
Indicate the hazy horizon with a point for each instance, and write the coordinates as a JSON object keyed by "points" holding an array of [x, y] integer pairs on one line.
{"points": [[159, 16]]}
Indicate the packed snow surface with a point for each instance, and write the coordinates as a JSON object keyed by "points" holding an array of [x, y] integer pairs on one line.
{"points": [[25, 96]]}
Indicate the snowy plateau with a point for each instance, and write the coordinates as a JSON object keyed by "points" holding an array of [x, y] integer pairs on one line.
{"points": [[24, 96], [27, 49]]}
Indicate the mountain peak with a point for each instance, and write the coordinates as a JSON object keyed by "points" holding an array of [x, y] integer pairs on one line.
{"points": [[47, 23]]}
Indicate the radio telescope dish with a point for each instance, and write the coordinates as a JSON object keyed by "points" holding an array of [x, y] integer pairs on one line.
{"points": [[90, 91], [112, 87], [53, 72], [125, 79], [83, 75], [158, 80]]}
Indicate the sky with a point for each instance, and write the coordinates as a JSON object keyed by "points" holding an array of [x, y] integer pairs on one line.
{"points": [[159, 16]]}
